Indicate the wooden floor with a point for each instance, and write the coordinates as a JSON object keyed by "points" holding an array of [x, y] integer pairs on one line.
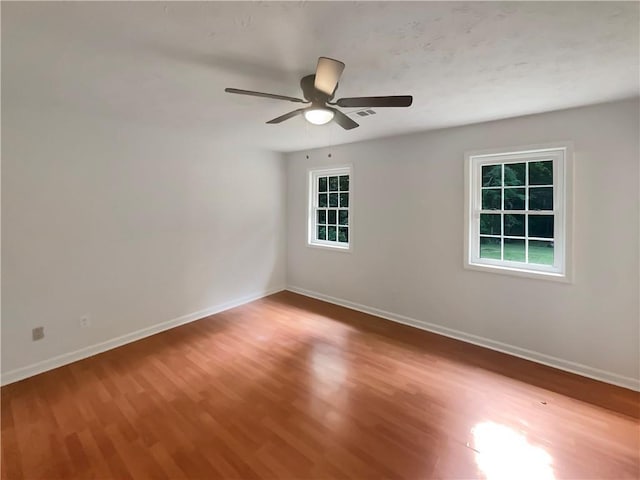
{"points": [[289, 387]]}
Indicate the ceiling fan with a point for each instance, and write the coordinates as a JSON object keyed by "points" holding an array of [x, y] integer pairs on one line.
{"points": [[319, 89]]}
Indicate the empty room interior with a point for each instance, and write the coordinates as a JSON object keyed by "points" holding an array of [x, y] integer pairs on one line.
{"points": [[320, 240]]}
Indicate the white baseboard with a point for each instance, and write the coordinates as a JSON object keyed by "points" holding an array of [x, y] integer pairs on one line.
{"points": [[64, 359], [566, 365]]}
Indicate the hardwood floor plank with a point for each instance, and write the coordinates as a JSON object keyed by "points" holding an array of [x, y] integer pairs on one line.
{"points": [[291, 387], [110, 455]]}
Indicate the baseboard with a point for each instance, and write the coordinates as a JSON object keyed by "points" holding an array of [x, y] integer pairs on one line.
{"points": [[566, 365], [60, 360]]}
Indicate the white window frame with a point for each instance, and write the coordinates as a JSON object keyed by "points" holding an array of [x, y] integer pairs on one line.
{"points": [[562, 156], [313, 175]]}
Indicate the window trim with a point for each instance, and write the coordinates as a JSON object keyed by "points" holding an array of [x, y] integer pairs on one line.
{"points": [[312, 175], [563, 209]]}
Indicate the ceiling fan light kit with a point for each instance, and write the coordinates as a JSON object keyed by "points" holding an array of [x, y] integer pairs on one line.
{"points": [[319, 89], [318, 116]]}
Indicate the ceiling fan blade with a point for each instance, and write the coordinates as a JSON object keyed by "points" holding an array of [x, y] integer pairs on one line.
{"points": [[344, 121], [287, 116], [265, 95], [392, 101], [328, 73]]}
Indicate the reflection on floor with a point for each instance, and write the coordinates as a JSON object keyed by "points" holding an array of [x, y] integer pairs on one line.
{"points": [[503, 453]]}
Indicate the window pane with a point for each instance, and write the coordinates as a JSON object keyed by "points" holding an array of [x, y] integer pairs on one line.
{"points": [[333, 184], [491, 199], [491, 175], [344, 199], [322, 184], [514, 173], [541, 252], [541, 173], [322, 216], [490, 223], [541, 226], [331, 233], [541, 198], [514, 250], [490, 248], [344, 183], [514, 198], [514, 225], [332, 217], [343, 217], [333, 199], [343, 234], [322, 233]]}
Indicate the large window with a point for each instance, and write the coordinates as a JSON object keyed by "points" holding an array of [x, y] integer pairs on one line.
{"points": [[329, 210], [517, 218]]}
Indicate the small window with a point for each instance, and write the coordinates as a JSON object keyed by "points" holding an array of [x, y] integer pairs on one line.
{"points": [[517, 212], [329, 207]]}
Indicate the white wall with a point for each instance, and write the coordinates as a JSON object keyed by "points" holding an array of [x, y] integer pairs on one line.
{"points": [[132, 225], [407, 238]]}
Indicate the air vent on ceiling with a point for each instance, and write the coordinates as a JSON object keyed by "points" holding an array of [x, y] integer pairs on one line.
{"points": [[366, 113]]}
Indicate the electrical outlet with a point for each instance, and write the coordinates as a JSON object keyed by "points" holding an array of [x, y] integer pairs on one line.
{"points": [[37, 333], [85, 322]]}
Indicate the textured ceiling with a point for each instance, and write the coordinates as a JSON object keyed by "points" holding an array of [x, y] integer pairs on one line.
{"points": [[165, 65]]}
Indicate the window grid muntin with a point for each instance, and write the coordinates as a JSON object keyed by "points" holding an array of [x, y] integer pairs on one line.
{"points": [[503, 211]]}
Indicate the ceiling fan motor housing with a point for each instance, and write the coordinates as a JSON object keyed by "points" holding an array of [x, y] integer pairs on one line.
{"points": [[311, 93]]}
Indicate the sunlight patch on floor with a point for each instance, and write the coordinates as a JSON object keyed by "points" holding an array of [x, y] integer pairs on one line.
{"points": [[503, 453]]}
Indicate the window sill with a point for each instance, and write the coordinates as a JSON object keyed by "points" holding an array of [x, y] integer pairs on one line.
{"points": [[517, 272], [335, 248]]}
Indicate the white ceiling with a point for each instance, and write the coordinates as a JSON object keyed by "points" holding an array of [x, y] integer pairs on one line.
{"points": [[166, 64]]}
